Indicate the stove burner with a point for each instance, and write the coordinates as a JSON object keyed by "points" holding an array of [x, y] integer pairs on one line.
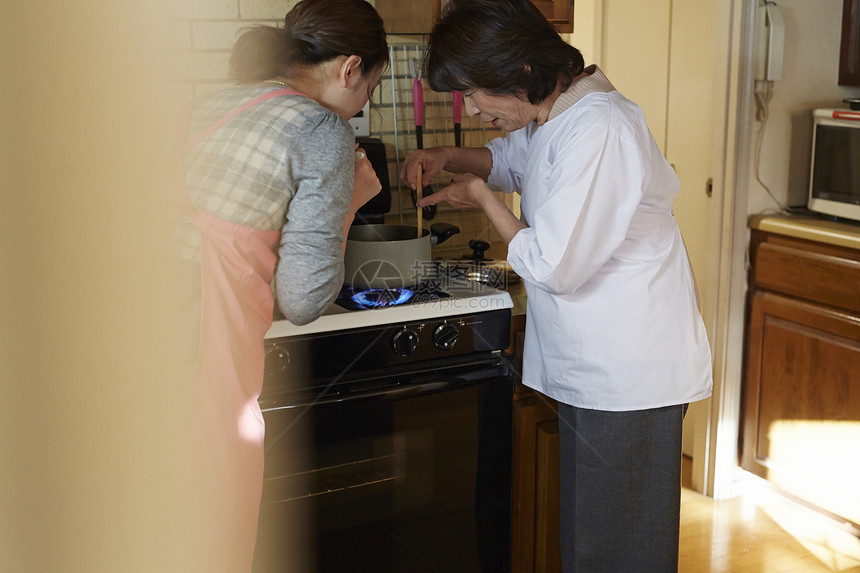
{"points": [[352, 298], [378, 297]]}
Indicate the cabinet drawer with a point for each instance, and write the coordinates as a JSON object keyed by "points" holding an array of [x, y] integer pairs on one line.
{"points": [[802, 401], [819, 277]]}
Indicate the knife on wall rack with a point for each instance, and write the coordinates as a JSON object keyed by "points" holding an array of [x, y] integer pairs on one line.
{"points": [[429, 212], [457, 107]]}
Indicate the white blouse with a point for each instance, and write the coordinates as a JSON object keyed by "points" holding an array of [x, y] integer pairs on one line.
{"points": [[613, 322]]}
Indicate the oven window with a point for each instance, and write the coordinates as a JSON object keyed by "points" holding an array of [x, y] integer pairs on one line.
{"points": [[415, 484]]}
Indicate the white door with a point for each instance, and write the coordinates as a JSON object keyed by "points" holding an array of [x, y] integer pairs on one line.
{"points": [[660, 54]]}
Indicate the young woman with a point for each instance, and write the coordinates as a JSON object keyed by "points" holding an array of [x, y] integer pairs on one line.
{"points": [[613, 331], [272, 175]]}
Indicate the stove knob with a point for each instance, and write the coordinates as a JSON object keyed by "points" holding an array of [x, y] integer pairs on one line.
{"points": [[445, 336], [277, 361], [405, 342]]}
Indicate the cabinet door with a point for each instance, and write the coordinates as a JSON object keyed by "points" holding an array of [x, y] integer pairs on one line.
{"points": [[409, 17], [547, 546], [535, 520], [535, 546], [419, 16], [558, 12], [802, 402], [849, 56]]}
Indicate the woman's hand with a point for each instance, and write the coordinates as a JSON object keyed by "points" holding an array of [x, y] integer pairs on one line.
{"points": [[466, 191], [366, 184], [432, 161]]}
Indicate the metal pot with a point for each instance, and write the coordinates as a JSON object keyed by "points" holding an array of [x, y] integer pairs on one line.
{"points": [[390, 256]]}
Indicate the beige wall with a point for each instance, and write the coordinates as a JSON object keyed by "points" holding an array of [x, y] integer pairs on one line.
{"points": [[810, 75]]}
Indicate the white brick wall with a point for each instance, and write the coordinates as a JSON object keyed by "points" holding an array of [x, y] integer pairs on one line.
{"points": [[201, 34]]}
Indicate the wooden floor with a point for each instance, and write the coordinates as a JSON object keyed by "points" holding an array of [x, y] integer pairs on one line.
{"points": [[760, 531]]}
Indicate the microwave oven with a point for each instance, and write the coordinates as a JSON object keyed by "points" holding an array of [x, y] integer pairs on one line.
{"points": [[834, 178]]}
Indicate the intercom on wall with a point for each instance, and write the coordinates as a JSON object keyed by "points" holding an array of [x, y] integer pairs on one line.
{"points": [[770, 36]]}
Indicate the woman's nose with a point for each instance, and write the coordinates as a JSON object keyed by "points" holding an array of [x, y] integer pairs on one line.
{"points": [[471, 108]]}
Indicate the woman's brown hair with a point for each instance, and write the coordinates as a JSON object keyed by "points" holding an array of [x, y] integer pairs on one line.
{"points": [[315, 31]]}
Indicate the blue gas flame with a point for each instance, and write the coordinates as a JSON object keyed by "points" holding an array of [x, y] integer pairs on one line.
{"points": [[381, 297]]}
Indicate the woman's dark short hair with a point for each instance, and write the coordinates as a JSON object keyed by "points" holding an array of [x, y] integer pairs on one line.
{"points": [[500, 46], [314, 32]]}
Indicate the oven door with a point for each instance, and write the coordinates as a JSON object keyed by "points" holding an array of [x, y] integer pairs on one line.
{"points": [[409, 472]]}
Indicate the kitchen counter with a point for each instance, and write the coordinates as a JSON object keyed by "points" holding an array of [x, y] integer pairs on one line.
{"points": [[810, 228]]}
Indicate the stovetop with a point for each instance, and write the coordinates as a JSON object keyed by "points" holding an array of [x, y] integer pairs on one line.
{"points": [[358, 298], [449, 300]]}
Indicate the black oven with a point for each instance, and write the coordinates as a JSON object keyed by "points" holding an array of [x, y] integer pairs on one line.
{"points": [[381, 462]]}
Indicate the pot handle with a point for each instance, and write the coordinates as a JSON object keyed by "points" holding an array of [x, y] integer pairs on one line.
{"points": [[441, 232]]}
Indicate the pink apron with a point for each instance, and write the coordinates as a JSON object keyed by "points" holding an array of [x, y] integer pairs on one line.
{"points": [[236, 264]]}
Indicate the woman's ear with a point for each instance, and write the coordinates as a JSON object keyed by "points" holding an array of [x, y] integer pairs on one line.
{"points": [[350, 70]]}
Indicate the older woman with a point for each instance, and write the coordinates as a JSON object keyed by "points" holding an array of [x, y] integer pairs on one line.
{"points": [[613, 331]]}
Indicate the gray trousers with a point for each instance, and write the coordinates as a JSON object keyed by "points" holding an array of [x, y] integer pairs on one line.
{"points": [[620, 489]]}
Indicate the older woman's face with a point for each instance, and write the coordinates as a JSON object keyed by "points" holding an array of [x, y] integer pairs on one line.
{"points": [[506, 112]]}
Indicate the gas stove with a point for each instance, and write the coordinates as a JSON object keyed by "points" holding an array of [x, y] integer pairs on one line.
{"points": [[440, 328], [355, 309]]}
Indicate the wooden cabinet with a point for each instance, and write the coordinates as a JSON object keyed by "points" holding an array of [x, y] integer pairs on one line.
{"points": [[535, 545], [419, 16], [801, 426], [559, 13], [409, 16], [849, 55]]}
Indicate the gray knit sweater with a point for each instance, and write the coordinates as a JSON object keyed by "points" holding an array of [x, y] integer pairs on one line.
{"points": [[287, 163]]}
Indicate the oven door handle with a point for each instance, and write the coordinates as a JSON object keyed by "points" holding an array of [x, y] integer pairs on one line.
{"points": [[417, 386], [393, 393]]}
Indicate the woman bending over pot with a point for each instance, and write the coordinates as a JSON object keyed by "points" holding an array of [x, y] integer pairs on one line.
{"points": [[272, 178], [613, 331]]}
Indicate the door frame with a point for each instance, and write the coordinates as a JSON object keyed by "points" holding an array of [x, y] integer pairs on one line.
{"points": [[721, 449]]}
